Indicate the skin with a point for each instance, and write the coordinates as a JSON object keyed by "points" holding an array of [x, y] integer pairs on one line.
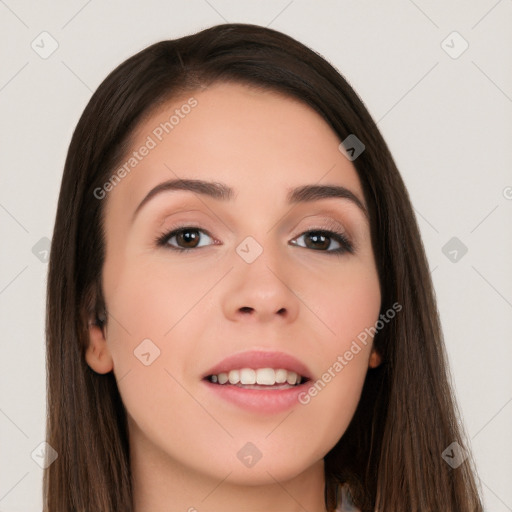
{"points": [[199, 307]]}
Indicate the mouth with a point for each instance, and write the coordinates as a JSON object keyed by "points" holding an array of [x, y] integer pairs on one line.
{"points": [[259, 378], [258, 381]]}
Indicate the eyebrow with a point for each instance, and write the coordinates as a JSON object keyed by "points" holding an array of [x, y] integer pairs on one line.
{"points": [[222, 192]]}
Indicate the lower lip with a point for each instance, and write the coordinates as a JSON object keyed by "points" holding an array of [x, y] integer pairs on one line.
{"points": [[269, 401]]}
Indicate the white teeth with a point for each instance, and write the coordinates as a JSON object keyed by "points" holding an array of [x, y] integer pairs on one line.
{"points": [[261, 376], [234, 377], [281, 376], [266, 376], [292, 378], [247, 376]]}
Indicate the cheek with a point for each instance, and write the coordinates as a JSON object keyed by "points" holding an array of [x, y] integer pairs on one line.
{"points": [[347, 313], [155, 319], [147, 301], [346, 304]]}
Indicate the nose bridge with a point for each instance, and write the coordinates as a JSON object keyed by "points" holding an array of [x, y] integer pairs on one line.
{"points": [[258, 232], [261, 278], [262, 259]]}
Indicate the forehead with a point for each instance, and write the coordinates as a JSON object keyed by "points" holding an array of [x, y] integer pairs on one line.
{"points": [[257, 142]]}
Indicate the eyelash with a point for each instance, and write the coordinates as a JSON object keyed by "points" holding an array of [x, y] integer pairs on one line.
{"points": [[345, 245]]}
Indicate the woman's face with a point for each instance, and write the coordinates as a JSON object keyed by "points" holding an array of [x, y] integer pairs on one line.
{"points": [[258, 276]]}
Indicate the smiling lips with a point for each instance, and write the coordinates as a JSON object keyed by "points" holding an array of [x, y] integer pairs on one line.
{"points": [[257, 381], [259, 368]]}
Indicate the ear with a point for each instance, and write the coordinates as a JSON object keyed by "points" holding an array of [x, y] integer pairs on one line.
{"points": [[375, 359], [97, 354]]}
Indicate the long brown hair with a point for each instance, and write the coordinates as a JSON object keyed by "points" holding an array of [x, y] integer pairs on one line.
{"points": [[390, 457]]}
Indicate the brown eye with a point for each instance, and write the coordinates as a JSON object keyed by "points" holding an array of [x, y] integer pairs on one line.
{"points": [[321, 240], [186, 238], [318, 240]]}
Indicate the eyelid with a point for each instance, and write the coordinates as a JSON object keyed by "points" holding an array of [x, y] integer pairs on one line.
{"points": [[325, 223]]}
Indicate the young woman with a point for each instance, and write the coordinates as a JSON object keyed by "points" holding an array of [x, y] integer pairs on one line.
{"points": [[240, 311]]}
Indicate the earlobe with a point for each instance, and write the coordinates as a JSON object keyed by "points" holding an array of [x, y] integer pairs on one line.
{"points": [[375, 359], [97, 354]]}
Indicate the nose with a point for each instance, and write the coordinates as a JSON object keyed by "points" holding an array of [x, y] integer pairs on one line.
{"points": [[261, 291]]}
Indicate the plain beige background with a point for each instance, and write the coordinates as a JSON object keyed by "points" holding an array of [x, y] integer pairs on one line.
{"points": [[444, 109]]}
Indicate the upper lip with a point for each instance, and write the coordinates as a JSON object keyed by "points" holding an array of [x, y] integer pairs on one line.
{"points": [[260, 359]]}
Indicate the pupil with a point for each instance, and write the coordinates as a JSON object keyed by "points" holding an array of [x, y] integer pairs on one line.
{"points": [[188, 236], [316, 236]]}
